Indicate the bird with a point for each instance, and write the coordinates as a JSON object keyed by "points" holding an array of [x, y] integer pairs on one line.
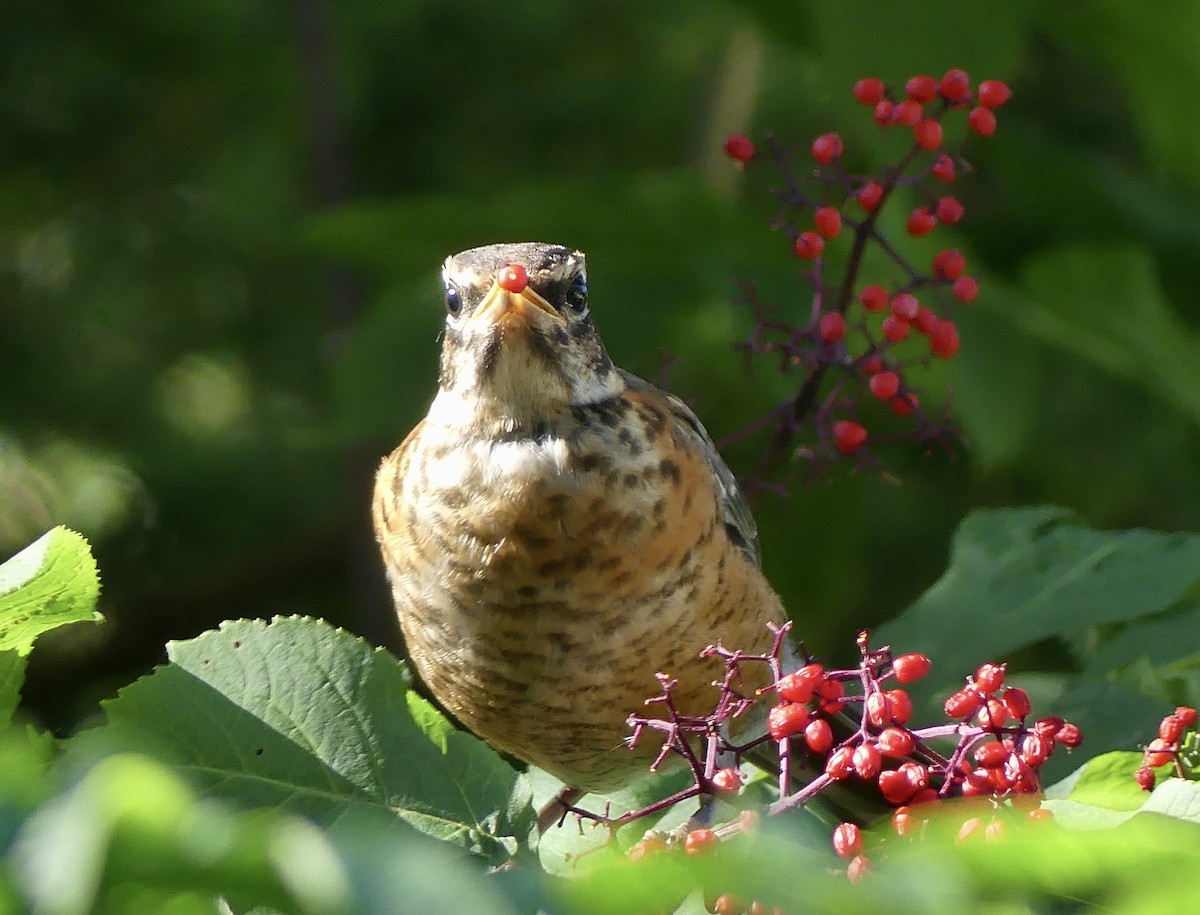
{"points": [[557, 531]]}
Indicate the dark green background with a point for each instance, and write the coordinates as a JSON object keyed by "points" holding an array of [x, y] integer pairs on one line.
{"points": [[220, 226]]}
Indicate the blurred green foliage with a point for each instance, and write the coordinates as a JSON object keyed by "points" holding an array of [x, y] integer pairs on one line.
{"points": [[220, 226]]}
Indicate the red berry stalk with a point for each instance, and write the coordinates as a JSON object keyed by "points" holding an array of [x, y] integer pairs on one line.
{"points": [[1176, 745], [859, 343], [992, 750]]}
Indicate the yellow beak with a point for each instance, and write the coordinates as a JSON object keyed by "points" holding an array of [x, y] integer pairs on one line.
{"points": [[500, 303]]}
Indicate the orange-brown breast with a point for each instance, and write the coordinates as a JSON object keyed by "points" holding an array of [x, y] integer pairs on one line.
{"points": [[542, 583]]}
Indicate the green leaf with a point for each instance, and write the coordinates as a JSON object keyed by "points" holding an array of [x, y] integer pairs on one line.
{"points": [[1173, 639], [1176, 797], [299, 716], [51, 582], [12, 675], [1104, 781], [1018, 576], [131, 829]]}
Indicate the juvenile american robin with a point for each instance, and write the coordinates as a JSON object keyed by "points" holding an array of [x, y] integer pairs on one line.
{"points": [[556, 530]]}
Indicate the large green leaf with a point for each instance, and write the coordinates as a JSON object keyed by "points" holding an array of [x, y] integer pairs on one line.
{"points": [[1018, 576], [296, 715], [51, 582]]}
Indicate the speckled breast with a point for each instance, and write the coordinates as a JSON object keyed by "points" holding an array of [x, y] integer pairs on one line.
{"points": [[542, 581]]}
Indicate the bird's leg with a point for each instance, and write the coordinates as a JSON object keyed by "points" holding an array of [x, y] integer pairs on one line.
{"points": [[556, 809]]}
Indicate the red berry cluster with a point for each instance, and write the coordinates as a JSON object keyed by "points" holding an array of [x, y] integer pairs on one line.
{"points": [[1167, 747], [855, 724], [865, 332]]}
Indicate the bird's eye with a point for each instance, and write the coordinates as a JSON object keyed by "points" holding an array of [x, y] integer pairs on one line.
{"points": [[454, 301], [577, 294]]}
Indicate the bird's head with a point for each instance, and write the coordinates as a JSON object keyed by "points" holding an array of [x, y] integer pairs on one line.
{"points": [[519, 344]]}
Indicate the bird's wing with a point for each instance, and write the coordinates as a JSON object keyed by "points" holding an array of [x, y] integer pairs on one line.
{"points": [[738, 520]]}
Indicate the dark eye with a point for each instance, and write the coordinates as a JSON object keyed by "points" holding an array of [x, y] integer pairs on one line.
{"points": [[453, 301], [577, 294]]}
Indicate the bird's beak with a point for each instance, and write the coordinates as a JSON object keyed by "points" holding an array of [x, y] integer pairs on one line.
{"points": [[500, 304]]}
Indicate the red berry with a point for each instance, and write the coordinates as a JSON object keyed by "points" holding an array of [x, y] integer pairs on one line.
{"points": [[871, 366], [884, 385], [903, 821], [928, 134], [827, 147], [943, 169], [874, 298], [949, 211], [943, 339], [962, 704], [1036, 749], [828, 221], [911, 667], [832, 327], [904, 405], [857, 868], [840, 764], [831, 693], [955, 85], [739, 148], [512, 278], [965, 288], [1017, 702], [900, 706], [917, 775], [982, 121], [867, 760], [884, 112], [895, 786], [907, 112], [896, 743], [1186, 714], [847, 840], [993, 93], [869, 195], [894, 328], [905, 305], [1069, 736], [1145, 778], [798, 686], [786, 719], [921, 222], [1159, 753], [1170, 728], [699, 841], [809, 245], [729, 779], [818, 735], [1048, 726], [848, 435], [878, 712], [991, 754], [925, 321], [869, 90], [992, 714], [728, 904], [922, 88], [948, 264]]}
